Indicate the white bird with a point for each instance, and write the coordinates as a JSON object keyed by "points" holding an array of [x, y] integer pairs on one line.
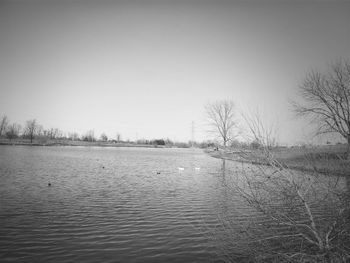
{"points": [[197, 168], [181, 168]]}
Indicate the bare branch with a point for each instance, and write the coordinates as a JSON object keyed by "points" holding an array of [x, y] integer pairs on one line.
{"points": [[327, 100]]}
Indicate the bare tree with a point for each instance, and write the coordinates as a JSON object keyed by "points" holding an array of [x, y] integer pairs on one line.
{"points": [[89, 136], [327, 100], [118, 137], [31, 129], [104, 137], [13, 131], [74, 136], [39, 130], [295, 216], [299, 217], [261, 134], [221, 119], [53, 133], [3, 124]]}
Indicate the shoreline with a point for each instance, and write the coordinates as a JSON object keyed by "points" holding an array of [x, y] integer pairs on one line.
{"points": [[82, 144], [302, 163], [310, 161]]}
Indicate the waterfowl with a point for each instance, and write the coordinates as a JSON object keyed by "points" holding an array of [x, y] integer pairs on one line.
{"points": [[49, 184]]}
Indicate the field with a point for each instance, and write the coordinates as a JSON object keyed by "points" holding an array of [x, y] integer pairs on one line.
{"points": [[329, 159]]}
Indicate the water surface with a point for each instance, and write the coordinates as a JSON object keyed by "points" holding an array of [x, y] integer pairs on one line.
{"points": [[109, 204]]}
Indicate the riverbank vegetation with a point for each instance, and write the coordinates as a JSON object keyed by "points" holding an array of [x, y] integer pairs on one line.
{"points": [[298, 216], [324, 99], [300, 204], [299, 195]]}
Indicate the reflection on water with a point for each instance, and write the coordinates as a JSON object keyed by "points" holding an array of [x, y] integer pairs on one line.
{"points": [[223, 168]]}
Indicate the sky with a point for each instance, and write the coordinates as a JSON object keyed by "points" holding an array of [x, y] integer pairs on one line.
{"points": [[145, 69]]}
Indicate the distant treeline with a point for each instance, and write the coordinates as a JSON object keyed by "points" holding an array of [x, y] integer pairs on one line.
{"points": [[33, 132]]}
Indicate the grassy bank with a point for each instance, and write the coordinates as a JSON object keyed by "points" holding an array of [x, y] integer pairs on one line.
{"points": [[322, 159]]}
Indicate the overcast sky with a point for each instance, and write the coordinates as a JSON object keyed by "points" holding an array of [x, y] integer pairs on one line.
{"points": [[145, 69]]}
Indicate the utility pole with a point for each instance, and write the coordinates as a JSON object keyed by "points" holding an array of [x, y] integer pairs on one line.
{"points": [[192, 137]]}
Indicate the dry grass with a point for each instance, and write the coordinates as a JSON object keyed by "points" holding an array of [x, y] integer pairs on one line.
{"points": [[328, 159], [323, 159]]}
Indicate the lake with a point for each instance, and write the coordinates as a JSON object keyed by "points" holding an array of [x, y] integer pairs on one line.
{"points": [[110, 204], [99, 204]]}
